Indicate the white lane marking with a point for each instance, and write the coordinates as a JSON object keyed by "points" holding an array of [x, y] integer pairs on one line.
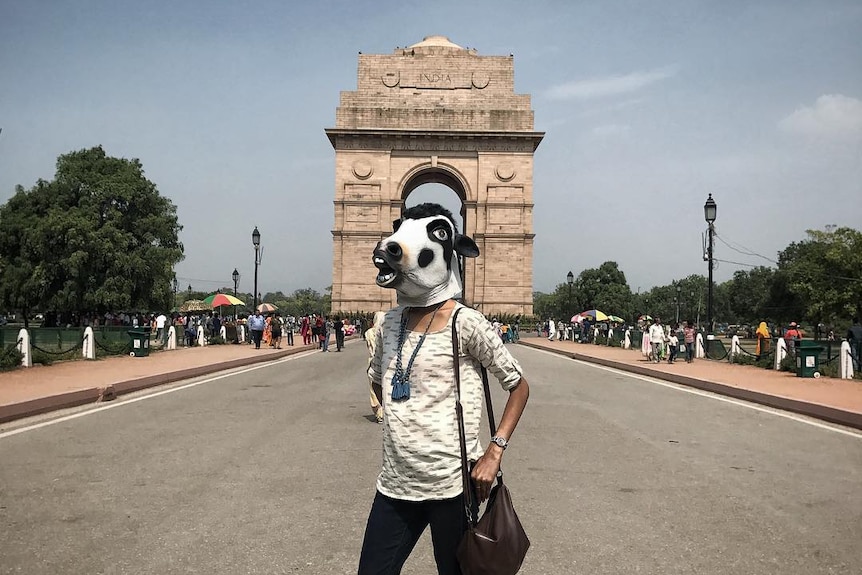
{"points": [[710, 395], [121, 403]]}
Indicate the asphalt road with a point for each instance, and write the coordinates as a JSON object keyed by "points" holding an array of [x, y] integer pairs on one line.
{"points": [[271, 470]]}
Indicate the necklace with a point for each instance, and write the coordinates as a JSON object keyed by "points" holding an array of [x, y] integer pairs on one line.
{"points": [[401, 379]]}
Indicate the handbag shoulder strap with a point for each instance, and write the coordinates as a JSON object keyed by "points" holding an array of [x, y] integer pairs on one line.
{"points": [[459, 410]]}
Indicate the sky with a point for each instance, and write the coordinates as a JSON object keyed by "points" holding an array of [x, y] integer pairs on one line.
{"points": [[647, 107]]}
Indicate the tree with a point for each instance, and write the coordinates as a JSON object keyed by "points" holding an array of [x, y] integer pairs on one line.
{"points": [[824, 273], [604, 288], [748, 295], [97, 237]]}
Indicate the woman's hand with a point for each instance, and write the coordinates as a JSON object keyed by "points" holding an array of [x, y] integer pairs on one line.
{"points": [[485, 471]]}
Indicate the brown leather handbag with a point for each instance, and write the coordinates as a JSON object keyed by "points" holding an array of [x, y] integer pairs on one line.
{"points": [[496, 544]]}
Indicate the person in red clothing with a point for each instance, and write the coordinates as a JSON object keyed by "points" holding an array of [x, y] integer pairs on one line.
{"points": [[791, 336]]}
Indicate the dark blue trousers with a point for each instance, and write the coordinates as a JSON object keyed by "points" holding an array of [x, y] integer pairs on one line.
{"points": [[394, 527]]}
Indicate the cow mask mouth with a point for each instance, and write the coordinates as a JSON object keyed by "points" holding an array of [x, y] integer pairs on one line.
{"points": [[387, 275]]}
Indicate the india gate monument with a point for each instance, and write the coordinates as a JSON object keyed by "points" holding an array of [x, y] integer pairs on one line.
{"points": [[435, 112]]}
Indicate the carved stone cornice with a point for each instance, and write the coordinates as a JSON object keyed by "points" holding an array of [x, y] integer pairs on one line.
{"points": [[434, 140]]}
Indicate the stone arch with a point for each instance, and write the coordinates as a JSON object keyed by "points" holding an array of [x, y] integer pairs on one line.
{"points": [[435, 113]]}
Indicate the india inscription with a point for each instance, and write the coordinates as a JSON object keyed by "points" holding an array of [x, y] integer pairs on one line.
{"points": [[435, 112]]}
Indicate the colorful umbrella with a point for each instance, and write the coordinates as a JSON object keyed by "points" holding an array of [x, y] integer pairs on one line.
{"points": [[266, 308], [616, 319], [221, 299], [645, 317], [595, 314]]}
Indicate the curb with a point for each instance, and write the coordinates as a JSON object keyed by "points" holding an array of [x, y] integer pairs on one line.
{"points": [[815, 410], [96, 394]]}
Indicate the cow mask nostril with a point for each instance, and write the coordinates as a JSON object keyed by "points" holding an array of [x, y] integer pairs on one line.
{"points": [[394, 250]]}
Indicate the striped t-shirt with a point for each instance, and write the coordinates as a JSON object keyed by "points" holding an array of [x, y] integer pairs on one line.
{"points": [[421, 452]]}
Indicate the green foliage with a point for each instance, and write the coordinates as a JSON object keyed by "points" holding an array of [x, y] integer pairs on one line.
{"points": [[10, 358], [216, 340], [788, 363], [97, 237], [824, 273], [301, 302]]}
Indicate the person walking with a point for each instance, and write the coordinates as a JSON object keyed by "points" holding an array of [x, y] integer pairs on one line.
{"points": [[288, 329], [854, 338], [689, 336], [325, 330], [673, 346], [305, 330], [552, 329], [371, 341], [656, 339], [338, 325], [763, 339], [276, 326], [256, 324]]}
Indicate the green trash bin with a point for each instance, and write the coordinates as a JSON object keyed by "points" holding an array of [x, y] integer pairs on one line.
{"points": [[140, 342], [807, 358]]}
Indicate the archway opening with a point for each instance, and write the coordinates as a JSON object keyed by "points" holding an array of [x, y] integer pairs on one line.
{"points": [[438, 194]]}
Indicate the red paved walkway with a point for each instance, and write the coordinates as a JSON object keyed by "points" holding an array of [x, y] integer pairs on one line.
{"points": [[39, 389], [827, 398]]}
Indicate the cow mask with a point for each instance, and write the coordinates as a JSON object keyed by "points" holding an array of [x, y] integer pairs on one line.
{"points": [[420, 260]]}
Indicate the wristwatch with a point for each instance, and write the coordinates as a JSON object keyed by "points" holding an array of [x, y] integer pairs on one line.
{"points": [[501, 441]]}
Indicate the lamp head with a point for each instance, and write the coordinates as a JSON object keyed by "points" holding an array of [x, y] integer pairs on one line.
{"points": [[255, 236], [570, 278], [235, 275], [710, 209]]}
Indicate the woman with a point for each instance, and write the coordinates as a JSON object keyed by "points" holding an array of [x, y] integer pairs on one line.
{"points": [[763, 338], [305, 330], [275, 332], [371, 341], [267, 331]]}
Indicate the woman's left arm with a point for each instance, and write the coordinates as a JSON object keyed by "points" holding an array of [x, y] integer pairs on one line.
{"points": [[485, 471]]}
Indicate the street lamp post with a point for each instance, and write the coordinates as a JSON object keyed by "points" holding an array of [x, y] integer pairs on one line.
{"points": [[190, 291], [255, 239], [235, 276], [676, 299], [176, 286], [709, 212], [570, 279]]}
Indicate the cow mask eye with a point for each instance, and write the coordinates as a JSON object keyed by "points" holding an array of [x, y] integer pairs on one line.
{"points": [[441, 234]]}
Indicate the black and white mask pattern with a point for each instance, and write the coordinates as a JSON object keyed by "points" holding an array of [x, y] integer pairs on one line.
{"points": [[420, 260]]}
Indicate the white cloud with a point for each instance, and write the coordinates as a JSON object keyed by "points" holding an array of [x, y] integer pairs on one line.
{"points": [[608, 85], [832, 116]]}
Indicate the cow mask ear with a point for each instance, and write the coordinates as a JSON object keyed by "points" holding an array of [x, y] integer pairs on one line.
{"points": [[396, 224], [465, 246]]}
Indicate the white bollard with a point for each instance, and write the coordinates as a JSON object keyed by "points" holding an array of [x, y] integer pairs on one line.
{"points": [[223, 333], [172, 338], [627, 340], [699, 350], [202, 338], [89, 345], [780, 352], [734, 348], [24, 348], [846, 362], [610, 335], [645, 344], [242, 333]]}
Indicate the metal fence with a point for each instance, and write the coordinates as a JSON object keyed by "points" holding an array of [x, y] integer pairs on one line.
{"points": [[59, 341]]}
